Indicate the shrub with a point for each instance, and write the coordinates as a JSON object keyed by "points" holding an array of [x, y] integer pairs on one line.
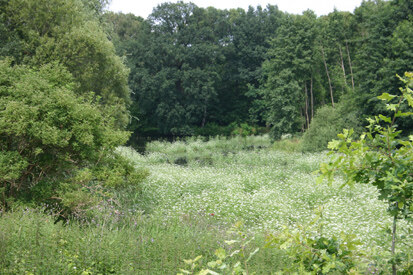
{"points": [[313, 253], [53, 140], [327, 123]]}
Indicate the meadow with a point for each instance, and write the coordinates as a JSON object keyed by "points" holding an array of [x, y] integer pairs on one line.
{"points": [[204, 198]]}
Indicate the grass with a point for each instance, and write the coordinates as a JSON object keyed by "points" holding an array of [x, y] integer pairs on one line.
{"points": [[185, 209]]}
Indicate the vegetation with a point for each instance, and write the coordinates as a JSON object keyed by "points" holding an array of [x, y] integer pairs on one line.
{"points": [[58, 127], [194, 68], [181, 212], [246, 98], [381, 158]]}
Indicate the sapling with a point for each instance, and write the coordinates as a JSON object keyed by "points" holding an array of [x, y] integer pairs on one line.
{"points": [[381, 157]]}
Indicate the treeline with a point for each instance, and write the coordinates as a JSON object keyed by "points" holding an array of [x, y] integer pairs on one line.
{"points": [[197, 70]]}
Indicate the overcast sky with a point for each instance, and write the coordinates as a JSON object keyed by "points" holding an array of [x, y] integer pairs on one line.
{"points": [[320, 7]]}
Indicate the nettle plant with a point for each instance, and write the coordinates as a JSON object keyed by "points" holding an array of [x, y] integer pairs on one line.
{"points": [[381, 157]]}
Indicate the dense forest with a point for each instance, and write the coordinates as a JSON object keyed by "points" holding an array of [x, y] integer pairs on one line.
{"points": [[249, 98], [196, 70]]}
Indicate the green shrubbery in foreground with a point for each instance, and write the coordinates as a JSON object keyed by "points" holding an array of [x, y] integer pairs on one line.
{"points": [[57, 147]]}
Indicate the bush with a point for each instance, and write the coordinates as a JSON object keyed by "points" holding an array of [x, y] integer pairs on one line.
{"points": [[327, 123], [53, 142]]}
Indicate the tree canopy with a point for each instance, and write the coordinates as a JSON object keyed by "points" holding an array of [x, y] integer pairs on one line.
{"points": [[63, 110], [192, 67]]}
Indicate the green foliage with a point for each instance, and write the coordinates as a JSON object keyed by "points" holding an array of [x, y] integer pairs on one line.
{"points": [[313, 253], [191, 66], [32, 243], [234, 261], [380, 157], [244, 130], [286, 72], [327, 123], [68, 33], [382, 35], [180, 212], [52, 137], [174, 68], [213, 129]]}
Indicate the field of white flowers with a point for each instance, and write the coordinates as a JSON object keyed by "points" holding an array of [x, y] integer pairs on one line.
{"points": [[245, 205], [245, 180]]}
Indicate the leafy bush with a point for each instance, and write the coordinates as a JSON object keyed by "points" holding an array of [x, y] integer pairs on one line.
{"points": [[327, 123], [54, 143], [314, 253], [244, 130]]}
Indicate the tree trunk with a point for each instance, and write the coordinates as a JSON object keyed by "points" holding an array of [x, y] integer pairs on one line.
{"points": [[312, 98], [393, 244], [342, 65], [328, 76], [351, 67], [306, 105], [204, 117]]}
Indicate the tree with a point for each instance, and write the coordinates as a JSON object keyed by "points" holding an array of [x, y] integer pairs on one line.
{"points": [[174, 64], [379, 57], [380, 157], [247, 43], [69, 33], [288, 75], [55, 143]]}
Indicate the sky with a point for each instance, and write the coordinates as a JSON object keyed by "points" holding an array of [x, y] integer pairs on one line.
{"points": [[321, 7]]}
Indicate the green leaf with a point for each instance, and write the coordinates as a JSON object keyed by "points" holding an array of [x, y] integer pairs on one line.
{"points": [[223, 266], [385, 118], [386, 97], [197, 258], [234, 253], [333, 145], [392, 107], [286, 244], [409, 98], [220, 253], [403, 114], [319, 179]]}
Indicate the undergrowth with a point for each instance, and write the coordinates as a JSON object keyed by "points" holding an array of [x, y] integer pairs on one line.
{"points": [[182, 211]]}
